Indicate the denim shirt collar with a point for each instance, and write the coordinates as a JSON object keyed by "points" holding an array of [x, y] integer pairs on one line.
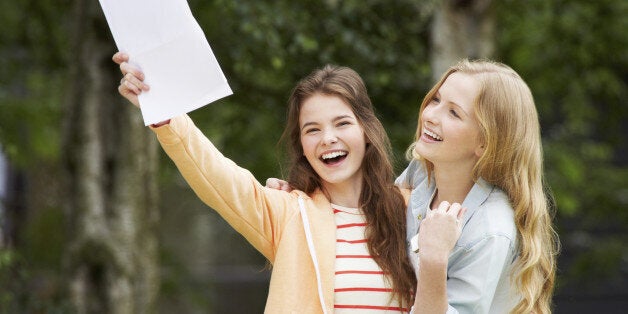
{"points": [[477, 196], [423, 193]]}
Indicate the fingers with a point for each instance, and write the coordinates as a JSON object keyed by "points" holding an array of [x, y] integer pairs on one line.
{"points": [[442, 207], [278, 184], [455, 210], [129, 95], [127, 68], [273, 183], [461, 213], [130, 87], [285, 186], [132, 77], [120, 57], [133, 83]]}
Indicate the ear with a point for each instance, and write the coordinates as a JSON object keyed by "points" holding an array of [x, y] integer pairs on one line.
{"points": [[479, 150]]}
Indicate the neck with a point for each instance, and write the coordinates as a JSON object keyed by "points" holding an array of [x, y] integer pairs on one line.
{"points": [[346, 195], [453, 183]]}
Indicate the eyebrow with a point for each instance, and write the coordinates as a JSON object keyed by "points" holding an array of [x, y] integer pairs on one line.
{"points": [[461, 109], [334, 120], [437, 94]]}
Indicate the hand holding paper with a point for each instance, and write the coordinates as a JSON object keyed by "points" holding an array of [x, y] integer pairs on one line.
{"points": [[164, 41], [132, 82]]}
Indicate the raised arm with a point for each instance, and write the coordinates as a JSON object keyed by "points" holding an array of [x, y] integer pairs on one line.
{"points": [[254, 211]]}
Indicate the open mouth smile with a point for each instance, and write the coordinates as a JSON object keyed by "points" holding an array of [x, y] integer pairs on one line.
{"points": [[334, 157], [432, 135]]}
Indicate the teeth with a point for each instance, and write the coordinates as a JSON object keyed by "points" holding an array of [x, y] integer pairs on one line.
{"points": [[333, 155], [432, 134]]}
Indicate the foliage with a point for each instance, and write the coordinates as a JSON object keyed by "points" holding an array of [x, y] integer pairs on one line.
{"points": [[573, 55], [32, 69], [32, 72], [28, 289]]}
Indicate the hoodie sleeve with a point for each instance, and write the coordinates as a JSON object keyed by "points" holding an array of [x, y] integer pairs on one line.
{"points": [[256, 212]]}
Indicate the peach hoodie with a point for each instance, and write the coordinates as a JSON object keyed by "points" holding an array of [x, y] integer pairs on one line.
{"points": [[269, 219]]}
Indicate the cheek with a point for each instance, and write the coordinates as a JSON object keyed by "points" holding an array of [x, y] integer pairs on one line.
{"points": [[361, 141], [467, 137], [307, 146], [425, 113], [475, 134], [365, 138]]}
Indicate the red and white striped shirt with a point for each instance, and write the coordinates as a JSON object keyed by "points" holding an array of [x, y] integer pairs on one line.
{"points": [[360, 285]]}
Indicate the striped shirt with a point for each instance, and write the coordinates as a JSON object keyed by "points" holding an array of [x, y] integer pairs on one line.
{"points": [[359, 285]]}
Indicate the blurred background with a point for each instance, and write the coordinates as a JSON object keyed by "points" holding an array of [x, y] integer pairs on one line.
{"points": [[94, 218]]}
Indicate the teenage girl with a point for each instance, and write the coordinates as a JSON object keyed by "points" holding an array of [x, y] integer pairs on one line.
{"points": [[478, 143]]}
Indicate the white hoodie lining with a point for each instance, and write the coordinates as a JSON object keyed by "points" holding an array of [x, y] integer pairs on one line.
{"points": [[310, 245]]}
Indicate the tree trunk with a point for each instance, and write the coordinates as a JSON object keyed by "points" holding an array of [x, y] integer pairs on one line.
{"points": [[111, 201], [461, 29]]}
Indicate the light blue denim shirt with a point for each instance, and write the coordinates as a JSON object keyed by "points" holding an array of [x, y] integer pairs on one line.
{"points": [[479, 267]]}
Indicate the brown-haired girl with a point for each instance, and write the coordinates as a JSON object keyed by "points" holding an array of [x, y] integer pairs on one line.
{"points": [[337, 242]]}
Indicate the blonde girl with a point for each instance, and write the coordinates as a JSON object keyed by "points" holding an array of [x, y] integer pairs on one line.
{"points": [[478, 143]]}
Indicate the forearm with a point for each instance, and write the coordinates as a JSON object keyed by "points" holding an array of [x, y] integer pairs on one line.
{"points": [[232, 191], [217, 180], [431, 293]]}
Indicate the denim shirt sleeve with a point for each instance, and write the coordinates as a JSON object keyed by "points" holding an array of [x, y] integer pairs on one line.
{"points": [[412, 176], [403, 180], [474, 272]]}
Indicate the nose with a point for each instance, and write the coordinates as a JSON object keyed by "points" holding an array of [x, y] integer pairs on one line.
{"points": [[429, 115], [329, 137]]}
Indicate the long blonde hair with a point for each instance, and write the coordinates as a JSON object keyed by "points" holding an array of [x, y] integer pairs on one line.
{"points": [[513, 161]]}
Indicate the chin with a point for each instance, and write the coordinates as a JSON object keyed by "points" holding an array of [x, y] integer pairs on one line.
{"points": [[418, 150], [422, 155]]}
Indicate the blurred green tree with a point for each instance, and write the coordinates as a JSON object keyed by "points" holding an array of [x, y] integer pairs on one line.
{"points": [[89, 241], [110, 195]]}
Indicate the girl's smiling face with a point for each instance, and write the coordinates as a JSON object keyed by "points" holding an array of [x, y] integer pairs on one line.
{"points": [[450, 131], [333, 141]]}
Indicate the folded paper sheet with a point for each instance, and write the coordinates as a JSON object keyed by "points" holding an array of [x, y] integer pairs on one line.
{"points": [[164, 40]]}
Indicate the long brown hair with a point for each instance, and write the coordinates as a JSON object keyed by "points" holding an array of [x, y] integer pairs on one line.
{"points": [[381, 201], [513, 161]]}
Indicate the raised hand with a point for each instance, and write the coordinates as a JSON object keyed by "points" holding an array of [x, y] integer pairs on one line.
{"points": [[440, 230], [132, 82]]}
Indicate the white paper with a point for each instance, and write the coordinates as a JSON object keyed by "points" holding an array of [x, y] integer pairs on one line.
{"points": [[164, 40]]}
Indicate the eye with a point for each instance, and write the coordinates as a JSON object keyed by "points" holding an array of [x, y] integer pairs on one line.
{"points": [[310, 130], [343, 123], [454, 113], [436, 99]]}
